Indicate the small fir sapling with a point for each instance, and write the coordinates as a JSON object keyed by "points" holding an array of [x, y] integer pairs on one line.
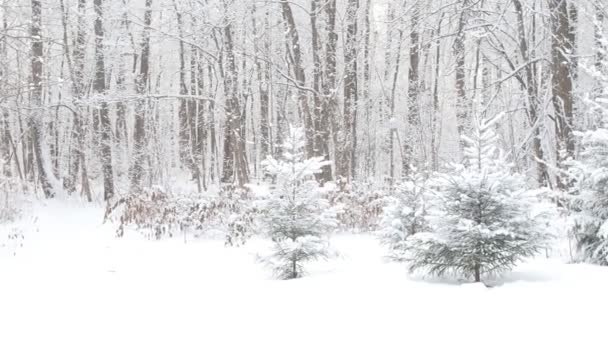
{"points": [[404, 215], [589, 174], [484, 220], [297, 214]]}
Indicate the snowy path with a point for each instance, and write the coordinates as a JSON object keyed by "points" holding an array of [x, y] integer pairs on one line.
{"points": [[72, 281]]}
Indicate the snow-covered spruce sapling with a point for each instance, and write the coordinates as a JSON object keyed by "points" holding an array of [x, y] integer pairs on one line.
{"points": [[485, 220], [404, 215], [297, 215], [590, 175], [590, 202]]}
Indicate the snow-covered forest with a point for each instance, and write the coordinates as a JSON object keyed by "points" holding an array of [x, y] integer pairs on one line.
{"points": [[303, 170]]}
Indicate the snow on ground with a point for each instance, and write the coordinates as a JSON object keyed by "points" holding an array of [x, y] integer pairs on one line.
{"points": [[73, 281]]}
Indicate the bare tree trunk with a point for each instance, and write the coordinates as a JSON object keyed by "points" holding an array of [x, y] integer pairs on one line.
{"points": [[202, 130], [530, 85], [214, 153], [370, 149], [394, 146], [36, 115], [435, 121], [462, 110], [121, 134], [562, 46], [329, 112], [413, 117], [324, 107], [236, 169], [184, 114], [75, 62], [99, 86], [6, 144], [317, 76], [345, 156], [7, 140], [263, 74], [139, 135], [295, 49]]}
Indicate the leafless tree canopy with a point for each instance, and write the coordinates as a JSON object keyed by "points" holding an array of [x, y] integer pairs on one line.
{"points": [[99, 97]]}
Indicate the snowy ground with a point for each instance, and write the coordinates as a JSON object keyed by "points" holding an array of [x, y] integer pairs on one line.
{"points": [[72, 281]]}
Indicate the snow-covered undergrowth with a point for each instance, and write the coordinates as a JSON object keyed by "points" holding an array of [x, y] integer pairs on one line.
{"points": [[74, 281]]}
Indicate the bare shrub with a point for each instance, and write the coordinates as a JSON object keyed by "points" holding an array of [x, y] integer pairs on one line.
{"points": [[156, 213], [360, 206]]}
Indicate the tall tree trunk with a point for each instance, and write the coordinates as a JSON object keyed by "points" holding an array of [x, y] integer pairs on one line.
{"points": [[36, 115], [184, 114], [139, 134], [263, 74], [413, 117], [370, 134], [75, 62], [345, 158], [295, 49], [7, 140], [201, 129], [235, 169], [6, 143], [562, 46], [393, 78], [321, 112], [329, 114], [462, 108], [529, 84], [99, 86], [121, 134], [214, 164], [436, 123]]}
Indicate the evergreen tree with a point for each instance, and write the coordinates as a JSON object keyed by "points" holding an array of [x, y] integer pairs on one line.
{"points": [[297, 214], [590, 174], [484, 220], [405, 215]]}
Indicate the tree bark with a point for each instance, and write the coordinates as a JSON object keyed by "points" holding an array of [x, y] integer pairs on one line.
{"points": [[330, 85], [184, 113], [235, 168], [295, 48], [562, 46], [326, 122], [36, 115], [530, 85], [263, 74], [462, 110], [142, 80], [7, 140], [413, 117], [345, 156], [99, 86]]}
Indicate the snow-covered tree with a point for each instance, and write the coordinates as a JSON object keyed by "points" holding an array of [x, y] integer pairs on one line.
{"points": [[590, 173], [484, 220], [404, 215], [297, 214]]}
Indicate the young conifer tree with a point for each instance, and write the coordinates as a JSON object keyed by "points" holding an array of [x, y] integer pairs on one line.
{"points": [[590, 175], [405, 215], [483, 218], [297, 214]]}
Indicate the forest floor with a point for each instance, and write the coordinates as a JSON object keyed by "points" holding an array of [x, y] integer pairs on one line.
{"points": [[73, 281]]}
